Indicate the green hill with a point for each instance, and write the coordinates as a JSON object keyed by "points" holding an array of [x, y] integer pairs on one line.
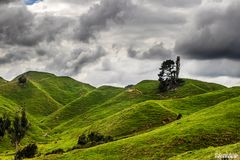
{"points": [[35, 101], [64, 89], [215, 126], [210, 153], [142, 121]]}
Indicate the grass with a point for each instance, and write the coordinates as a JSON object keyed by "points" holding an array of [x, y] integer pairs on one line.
{"points": [[209, 153], [215, 126], [64, 89], [35, 101], [60, 109]]}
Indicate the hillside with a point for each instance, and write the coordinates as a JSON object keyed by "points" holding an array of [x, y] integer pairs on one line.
{"points": [[216, 126], [142, 121], [2, 81]]}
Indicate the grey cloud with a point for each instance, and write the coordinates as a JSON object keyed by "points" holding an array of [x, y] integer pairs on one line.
{"points": [[223, 68], [99, 15], [15, 23], [215, 36], [18, 26], [8, 1], [73, 63], [14, 55], [178, 3], [156, 52]]}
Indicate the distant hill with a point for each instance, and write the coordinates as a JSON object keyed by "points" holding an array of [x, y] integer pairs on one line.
{"points": [[142, 120]]}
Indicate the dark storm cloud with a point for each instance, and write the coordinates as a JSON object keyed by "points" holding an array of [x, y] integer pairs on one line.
{"points": [[8, 1], [15, 23], [215, 36], [16, 54], [99, 15], [18, 26], [177, 3], [156, 52]]}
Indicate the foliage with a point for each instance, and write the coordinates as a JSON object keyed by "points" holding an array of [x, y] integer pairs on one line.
{"points": [[169, 74], [56, 151], [27, 152], [94, 138], [19, 128], [22, 80], [4, 125]]}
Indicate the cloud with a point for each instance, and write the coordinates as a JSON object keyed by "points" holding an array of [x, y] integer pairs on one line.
{"points": [[213, 68], [155, 53], [8, 1], [18, 26], [73, 63], [177, 3], [215, 35], [15, 23], [98, 16]]}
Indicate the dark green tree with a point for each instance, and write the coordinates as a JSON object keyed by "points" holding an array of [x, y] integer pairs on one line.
{"points": [[169, 73], [22, 80], [2, 128], [4, 125], [177, 67], [19, 128]]}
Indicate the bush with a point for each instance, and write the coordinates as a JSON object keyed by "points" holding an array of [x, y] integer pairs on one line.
{"points": [[82, 140], [27, 152], [57, 151], [92, 139], [22, 80]]}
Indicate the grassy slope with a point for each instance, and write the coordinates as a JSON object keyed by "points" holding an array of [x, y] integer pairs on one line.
{"points": [[64, 89], [123, 110], [151, 113], [69, 130], [145, 90], [131, 120], [35, 101], [2, 81], [214, 126], [209, 153], [195, 103], [82, 104]]}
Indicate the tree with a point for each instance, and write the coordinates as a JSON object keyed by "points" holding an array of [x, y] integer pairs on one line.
{"points": [[18, 131], [22, 80], [4, 125], [177, 67], [169, 74]]}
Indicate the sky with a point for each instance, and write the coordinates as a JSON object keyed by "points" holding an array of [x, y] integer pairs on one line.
{"points": [[121, 42]]}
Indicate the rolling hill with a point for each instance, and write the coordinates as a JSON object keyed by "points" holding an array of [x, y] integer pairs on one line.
{"points": [[142, 121]]}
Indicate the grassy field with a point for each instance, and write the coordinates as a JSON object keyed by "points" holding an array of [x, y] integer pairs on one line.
{"points": [[142, 121]]}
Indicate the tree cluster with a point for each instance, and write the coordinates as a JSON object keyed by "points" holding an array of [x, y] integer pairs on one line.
{"points": [[93, 139], [22, 80], [27, 152], [15, 129], [169, 74], [5, 124]]}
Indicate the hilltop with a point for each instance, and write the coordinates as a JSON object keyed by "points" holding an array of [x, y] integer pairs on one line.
{"points": [[142, 121]]}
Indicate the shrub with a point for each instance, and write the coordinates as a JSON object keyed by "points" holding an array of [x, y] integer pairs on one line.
{"points": [[82, 140], [92, 139], [22, 80], [27, 152], [56, 151]]}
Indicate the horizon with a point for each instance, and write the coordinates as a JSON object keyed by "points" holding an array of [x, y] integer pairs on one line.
{"points": [[113, 85], [120, 42]]}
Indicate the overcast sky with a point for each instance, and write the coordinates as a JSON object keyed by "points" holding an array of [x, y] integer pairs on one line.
{"points": [[121, 42]]}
